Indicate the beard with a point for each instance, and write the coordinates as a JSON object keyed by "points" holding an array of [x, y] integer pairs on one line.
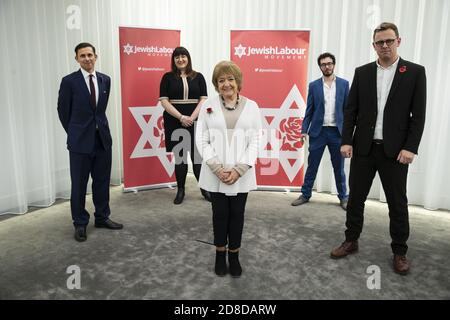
{"points": [[327, 73]]}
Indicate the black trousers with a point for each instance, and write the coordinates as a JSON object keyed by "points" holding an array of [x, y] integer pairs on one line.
{"points": [[180, 152], [181, 166], [98, 165], [393, 176], [228, 219]]}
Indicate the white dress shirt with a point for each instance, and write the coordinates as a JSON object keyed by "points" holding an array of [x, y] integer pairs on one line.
{"points": [[329, 93], [94, 79], [385, 76]]}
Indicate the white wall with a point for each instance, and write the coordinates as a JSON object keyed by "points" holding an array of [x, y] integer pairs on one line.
{"points": [[37, 38]]}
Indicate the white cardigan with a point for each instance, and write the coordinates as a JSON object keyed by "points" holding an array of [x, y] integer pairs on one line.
{"points": [[212, 141]]}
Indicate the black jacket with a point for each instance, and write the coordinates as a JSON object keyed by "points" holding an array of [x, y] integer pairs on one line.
{"points": [[404, 113]]}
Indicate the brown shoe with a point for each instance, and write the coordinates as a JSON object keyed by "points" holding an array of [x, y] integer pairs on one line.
{"points": [[401, 264], [346, 248]]}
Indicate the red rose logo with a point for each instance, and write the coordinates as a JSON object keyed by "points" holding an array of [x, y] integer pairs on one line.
{"points": [[402, 69], [158, 131], [291, 133], [208, 110]]}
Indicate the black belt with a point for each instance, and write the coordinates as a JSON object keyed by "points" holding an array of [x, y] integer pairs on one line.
{"points": [[377, 141]]}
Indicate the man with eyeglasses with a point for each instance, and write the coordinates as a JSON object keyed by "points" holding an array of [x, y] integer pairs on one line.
{"points": [[383, 125], [323, 120]]}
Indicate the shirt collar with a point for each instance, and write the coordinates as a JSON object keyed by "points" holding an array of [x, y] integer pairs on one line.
{"points": [[86, 74], [394, 65], [334, 78]]}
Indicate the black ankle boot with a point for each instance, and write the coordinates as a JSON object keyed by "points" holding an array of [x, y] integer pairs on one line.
{"points": [[221, 264], [206, 195], [235, 266], [179, 197]]}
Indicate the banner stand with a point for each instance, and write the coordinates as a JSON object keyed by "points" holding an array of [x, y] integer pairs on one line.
{"points": [[150, 187], [274, 64], [145, 56]]}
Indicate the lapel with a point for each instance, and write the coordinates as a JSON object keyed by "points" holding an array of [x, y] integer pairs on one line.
{"points": [[82, 84], [221, 118], [101, 89], [244, 109], [372, 83], [320, 88], [339, 107], [338, 88], [396, 81]]}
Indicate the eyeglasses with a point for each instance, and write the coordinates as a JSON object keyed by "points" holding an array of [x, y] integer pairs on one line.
{"points": [[389, 42], [328, 64]]}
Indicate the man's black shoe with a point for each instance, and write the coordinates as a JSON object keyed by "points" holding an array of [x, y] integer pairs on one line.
{"points": [[108, 224], [80, 233]]}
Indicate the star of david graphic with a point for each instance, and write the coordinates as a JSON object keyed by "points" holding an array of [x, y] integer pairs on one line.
{"points": [[149, 138], [293, 106], [128, 49], [239, 51]]}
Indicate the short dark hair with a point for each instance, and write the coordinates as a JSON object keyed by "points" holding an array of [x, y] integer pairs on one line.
{"points": [[326, 55], [386, 26], [83, 45], [179, 51]]}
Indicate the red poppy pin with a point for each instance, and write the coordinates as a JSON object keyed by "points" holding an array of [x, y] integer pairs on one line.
{"points": [[208, 110], [402, 69]]}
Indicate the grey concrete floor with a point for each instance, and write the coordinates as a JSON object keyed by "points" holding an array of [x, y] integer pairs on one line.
{"points": [[285, 252]]}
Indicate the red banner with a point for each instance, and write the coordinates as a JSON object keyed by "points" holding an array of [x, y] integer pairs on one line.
{"points": [[275, 67], [144, 58]]}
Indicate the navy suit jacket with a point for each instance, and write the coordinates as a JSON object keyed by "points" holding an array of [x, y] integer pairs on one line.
{"points": [[315, 106], [78, 117], [404, 112]]}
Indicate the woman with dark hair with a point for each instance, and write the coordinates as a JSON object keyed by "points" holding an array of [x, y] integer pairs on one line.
{"points": [[182, 92]]}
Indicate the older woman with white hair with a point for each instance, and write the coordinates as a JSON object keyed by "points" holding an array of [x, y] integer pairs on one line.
{"points": [[227, 137]]}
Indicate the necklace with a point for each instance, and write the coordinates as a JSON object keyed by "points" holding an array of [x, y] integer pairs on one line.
{"points": [[230, 108]]}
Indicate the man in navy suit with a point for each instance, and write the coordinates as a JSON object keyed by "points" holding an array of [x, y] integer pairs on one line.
{"points": [[82, 101], [383, 126], [323, 119]]}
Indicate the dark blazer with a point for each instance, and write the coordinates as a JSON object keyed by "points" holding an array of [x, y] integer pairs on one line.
{"points": [[404, 113], [78, 117], [315, 106]]}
